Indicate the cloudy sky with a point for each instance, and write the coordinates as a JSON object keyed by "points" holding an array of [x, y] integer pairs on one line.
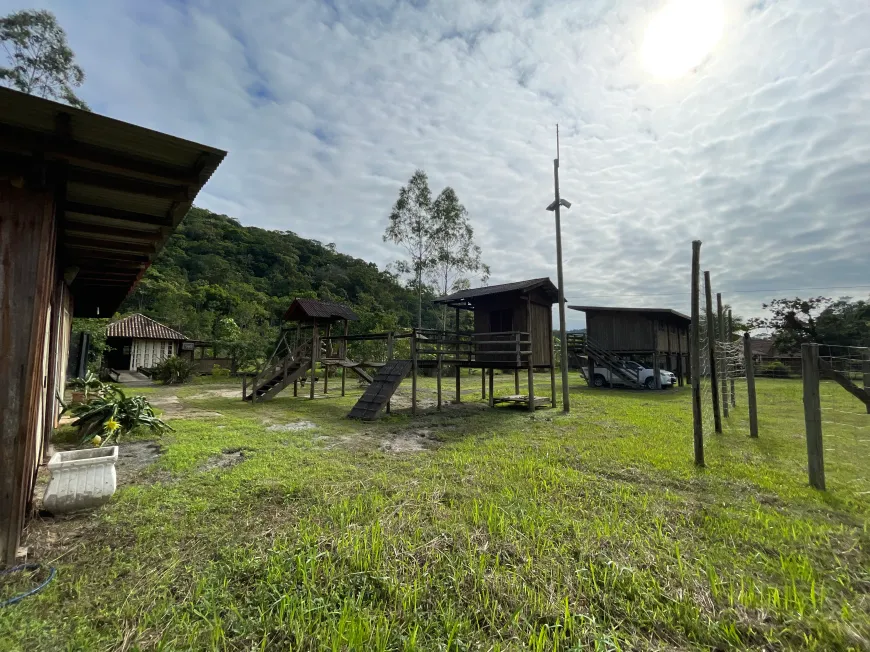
{"points": [[762, 150]]}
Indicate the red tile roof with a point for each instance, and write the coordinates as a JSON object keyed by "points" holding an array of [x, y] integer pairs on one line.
{"points": [[142, 327]]}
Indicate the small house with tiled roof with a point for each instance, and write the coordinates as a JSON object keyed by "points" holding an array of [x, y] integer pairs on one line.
{"points": [[139, 341]]}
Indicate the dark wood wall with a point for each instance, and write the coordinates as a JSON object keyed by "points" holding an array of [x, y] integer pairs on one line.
{"points": [[517, 306], [28, 283], [628, 332]]}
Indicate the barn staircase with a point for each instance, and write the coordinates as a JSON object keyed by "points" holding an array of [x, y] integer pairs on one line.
{"points": [[280, 371], [601, 357], [381, 389]]}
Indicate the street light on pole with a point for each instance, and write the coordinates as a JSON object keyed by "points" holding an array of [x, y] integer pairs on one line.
{"points": [[555, 206]]}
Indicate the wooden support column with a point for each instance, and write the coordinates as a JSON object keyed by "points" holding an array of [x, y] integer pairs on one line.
{"points": [[297, 344], [328, 355], [711, 351], [438, 378], [695, 357], [344, 356], [389, 357], [482, 383], [750, 386], [491, 385], [456, 367], [244, 386], [531, 353], [519, 359], [723, 355], [657, 378], [414, 372], [315, 349], [552, 358], [813, 415], [681, 369]]}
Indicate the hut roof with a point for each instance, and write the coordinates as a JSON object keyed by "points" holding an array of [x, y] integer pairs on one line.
{"points": [[141, 327], [466, 297], [661, 313], [307, 309], [126, 189]]}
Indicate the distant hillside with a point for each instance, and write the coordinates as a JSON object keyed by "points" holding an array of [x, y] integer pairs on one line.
{"points": [[213, 268]]}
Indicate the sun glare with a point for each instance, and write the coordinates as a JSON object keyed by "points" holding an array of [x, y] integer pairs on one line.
{"points": [[681, 35]]}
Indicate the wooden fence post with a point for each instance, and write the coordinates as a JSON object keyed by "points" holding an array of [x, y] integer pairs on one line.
{"points": [[491, 385], [657, 379], [865, 368], [813, 414], [519, 362], [328, 355], [723, 360], [731, 341], [389, 357], [344, 356], [695, 357], [749, 363], [414, 372], [482, 383], [552, 360], [315, 349], [711, 351], [438, 378], [457, 368], [531, 354], [244, 386]]}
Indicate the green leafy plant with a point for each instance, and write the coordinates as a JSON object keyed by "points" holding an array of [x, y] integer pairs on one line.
{"points": [[90, 385], [219, 372], [113, 414], [775, 369], [173, 370]]}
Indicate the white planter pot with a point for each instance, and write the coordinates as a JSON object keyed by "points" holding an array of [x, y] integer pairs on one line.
{"points": [[80, 479]]}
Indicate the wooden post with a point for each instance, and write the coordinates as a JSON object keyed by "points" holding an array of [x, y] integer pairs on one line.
{"points": [[695, 359], [298, 343], [519, 364], [865, 368], [813, 414], [438, 378], [344, 356], [723, 359], [482, 383], [750, 386], [711, 351], [456, 367], [552, 359], [389, 357], [414, 372], [491, 386], [315, 349], [657, 379], [244, 386], [531, 353], [681, 368], [328, 353], [730, 342]]}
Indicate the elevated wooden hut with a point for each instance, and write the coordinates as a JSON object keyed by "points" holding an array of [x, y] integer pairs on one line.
{"points": [[654, 336]]}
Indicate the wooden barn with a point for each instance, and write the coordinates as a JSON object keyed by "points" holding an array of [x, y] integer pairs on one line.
{"points": [[86, 202], [525, 306], [139, 341], [654, 336]]}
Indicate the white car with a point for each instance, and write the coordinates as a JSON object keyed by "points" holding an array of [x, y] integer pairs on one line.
{"points": [[602, 376]]}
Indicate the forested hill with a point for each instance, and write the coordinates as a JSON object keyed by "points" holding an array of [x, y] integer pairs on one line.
{"points": [[213, 268]]}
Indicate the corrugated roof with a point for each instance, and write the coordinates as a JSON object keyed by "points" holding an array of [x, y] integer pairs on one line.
{"points": [[127, 189], [662, 312], [142, 327], [304, 309], [520, 286]]}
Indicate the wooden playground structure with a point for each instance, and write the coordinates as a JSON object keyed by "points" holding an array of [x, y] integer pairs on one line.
{"points": [[497, 342]]}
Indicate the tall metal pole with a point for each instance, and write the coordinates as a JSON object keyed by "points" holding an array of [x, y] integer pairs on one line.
{"points": [[566, 405]]}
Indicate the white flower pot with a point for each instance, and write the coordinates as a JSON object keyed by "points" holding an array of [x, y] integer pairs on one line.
{"points": [[80, 479]]}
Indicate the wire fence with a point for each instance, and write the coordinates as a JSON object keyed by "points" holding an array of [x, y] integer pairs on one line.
{"points": [[839, 407]]}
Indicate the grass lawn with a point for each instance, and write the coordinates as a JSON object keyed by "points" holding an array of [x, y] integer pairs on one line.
{"points": [[468, 529]]}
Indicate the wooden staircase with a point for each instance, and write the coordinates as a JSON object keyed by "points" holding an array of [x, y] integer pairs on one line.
{"points": [[381, 389], [603, 358], [280, 371]]}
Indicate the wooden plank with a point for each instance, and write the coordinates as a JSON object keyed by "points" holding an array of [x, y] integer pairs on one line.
{"points": [[531, 361], [865, 368], [695, 360], [125, 184], [552, 359], [813, 414], [844, 381], [711, 352], [315, 351], [749, 363], [491, 386], [723, 363]]}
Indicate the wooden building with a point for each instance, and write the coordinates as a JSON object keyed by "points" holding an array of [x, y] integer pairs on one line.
{"points": [[653, 336], [86, 202], [139, 341], [522, 306]]}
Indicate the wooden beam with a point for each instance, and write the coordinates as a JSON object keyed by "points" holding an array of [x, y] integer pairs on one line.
{"points": [[695, 357], [77, 242], [749, 363], [112, 231], [126, 184], [813, 414], [844, 381], [116, 214]]}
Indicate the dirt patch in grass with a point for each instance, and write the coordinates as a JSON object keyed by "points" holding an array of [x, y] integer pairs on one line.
{"points": [[291, 427], [415, 440], [173, 408], [135, 457], [227, 459], [217, 393]]}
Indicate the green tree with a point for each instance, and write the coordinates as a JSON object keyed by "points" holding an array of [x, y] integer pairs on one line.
{"points": [[845, 323], [40, 61], [411, 226], [456, 254], [792, 321]]}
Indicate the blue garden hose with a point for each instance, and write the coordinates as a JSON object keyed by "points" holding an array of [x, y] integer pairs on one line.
{"points": [[27, 567]]}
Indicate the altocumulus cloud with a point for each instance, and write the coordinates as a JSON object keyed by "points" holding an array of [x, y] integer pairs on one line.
{"points": [[327, 107]]}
